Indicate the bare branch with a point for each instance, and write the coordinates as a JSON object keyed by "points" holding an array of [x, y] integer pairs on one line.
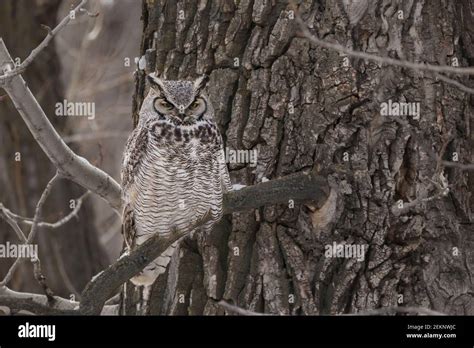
{"points": [[39, 304], [41, 279], [458, 165], [383, 60], [62, 270], [64, 220], [72, 166], [103, 285], [455, 83], [300, 187], [36, 262], [4, 213], [34, 53], [35, 303], [447, 138], [436, 70], [33, 230]]}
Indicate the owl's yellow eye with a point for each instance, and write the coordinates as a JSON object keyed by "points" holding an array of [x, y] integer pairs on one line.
{"points": [[162, 106], [195, 104], [166, 105]]}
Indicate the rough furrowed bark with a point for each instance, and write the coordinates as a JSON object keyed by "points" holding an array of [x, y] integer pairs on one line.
{"points": [[305, 108]]}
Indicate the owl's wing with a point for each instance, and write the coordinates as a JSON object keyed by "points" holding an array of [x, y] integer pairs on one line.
{"points": [[128, 226], [134, 150], [133, 154]]}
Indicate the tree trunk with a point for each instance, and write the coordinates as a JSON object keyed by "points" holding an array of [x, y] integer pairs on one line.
{"points": [[306, 108], [71, 254]]}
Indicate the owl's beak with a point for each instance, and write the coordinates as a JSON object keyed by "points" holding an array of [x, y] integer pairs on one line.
{"points": [[182, 114]]}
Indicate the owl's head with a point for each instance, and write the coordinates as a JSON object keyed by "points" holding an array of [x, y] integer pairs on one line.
{"points": [[182, 102]]}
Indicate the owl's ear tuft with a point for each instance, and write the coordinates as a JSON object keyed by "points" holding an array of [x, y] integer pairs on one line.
{"points": [[200, 83], [155, 81]]}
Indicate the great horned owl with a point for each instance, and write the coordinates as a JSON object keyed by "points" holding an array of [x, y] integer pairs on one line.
{"points": [[173, 170]]}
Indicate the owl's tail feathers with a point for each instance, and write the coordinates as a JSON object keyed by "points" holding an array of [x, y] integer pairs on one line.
{"points": [[155, 268]]}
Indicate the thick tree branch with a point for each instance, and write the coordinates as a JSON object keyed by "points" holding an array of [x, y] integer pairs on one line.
{"points": [[102, 286], [72, 166], [40, 305], [34, 303], [300, 187]]}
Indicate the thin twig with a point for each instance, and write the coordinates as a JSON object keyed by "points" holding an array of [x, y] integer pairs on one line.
{"points": [[57, 224], [434, 69], [12, 223], [439, 161], [36, 261], [62, 271], [461, 166], [41, 279], [51, 33], [383, 60], [455, 83], [33, 229]]}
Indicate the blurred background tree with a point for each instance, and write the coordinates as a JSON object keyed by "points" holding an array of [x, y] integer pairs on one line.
{"points": [[84, 63]]}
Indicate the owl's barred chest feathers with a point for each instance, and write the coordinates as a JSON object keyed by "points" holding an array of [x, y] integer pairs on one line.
{"points": [[179, 178]]}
